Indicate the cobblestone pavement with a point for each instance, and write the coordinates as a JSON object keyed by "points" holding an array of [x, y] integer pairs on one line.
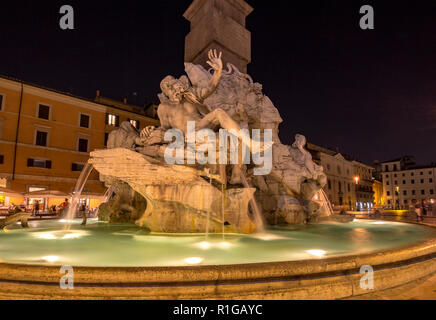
{"points": [[424, 289]]}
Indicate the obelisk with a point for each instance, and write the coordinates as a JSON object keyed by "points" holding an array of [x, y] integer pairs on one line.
{"points": [[218, 24]]}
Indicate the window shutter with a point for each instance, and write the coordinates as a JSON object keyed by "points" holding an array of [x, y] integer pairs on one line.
{"points": [[30, 162], [117, 121], [107, 118], [48, 164]]}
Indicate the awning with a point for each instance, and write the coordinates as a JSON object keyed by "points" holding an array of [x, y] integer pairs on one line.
{"points": [[9, 192], [47, 194]]}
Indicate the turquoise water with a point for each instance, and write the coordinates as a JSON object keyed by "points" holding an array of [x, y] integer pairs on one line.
{"points": [[103, 244]]}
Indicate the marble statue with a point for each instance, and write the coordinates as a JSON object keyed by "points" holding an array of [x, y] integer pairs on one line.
{"points": [[19, 216], [127, 136], [199, 198], [182, 102]]}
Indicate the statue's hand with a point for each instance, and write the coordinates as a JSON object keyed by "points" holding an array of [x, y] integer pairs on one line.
{"points": [[146, 132], [215, 60]]}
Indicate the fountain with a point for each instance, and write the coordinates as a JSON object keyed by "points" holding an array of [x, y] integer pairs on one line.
{"points": [[80, 184], [191, 230]]}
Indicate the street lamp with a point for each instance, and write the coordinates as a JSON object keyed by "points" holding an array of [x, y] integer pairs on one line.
{"points": [[356, 180], [397, 189]]}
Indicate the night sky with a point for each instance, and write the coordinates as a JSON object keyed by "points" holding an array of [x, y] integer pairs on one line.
{"points": [[370, 93]]}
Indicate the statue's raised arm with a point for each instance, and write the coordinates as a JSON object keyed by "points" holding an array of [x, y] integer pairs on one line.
{"points": [[217, 65]]}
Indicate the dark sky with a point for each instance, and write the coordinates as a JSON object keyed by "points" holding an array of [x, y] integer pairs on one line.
{"points": [[371, 93]]}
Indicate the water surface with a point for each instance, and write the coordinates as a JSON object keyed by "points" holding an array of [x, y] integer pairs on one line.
{"points": [[103, 244]]}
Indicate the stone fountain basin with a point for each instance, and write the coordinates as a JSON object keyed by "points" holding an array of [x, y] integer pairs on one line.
{"points": [[323, 278]]}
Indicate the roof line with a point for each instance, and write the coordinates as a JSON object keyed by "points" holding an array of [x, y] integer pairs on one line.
{"points": [[69, 94]]}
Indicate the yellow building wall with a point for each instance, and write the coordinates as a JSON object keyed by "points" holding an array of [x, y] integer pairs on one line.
{"points": [[378, 193], [63, 127]]}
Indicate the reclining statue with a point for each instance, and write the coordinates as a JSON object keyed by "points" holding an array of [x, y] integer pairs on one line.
{"points": [[182, 102]]}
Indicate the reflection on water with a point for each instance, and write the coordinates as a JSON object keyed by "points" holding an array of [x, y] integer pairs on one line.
{"points": [[360, 235], [103, 244]]}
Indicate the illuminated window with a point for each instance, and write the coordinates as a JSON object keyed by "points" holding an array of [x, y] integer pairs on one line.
{"points": [[33, 189], [112, 120]]}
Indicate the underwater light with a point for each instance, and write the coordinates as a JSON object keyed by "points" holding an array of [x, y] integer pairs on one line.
{"points": [[204, 245], [72, 235], [60, 235], [378, 222], [66, 221], [50, 258], [48, 236], [224, 245], [194, 260], [316, 252]]}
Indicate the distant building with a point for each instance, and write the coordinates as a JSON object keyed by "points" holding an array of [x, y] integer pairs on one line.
{"points": [[406, 184], [379, 199], [349, 182], [46, 137], [364, 185]]}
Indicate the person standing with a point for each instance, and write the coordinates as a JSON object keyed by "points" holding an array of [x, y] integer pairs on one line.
{"points": [[418, 212], [82, 212], [424, 208], [35, 208]]}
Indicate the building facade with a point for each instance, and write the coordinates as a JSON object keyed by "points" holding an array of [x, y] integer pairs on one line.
{"points": [[364, 185], [379, 199], [349, 182], [406, 184], [339, 188], [46, 137]]}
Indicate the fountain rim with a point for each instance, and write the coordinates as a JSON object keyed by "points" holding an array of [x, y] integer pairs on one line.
{"points": [[264, 271]]}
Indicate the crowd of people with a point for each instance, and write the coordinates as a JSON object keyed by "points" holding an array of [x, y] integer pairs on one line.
{"points": [[58, 210]]}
